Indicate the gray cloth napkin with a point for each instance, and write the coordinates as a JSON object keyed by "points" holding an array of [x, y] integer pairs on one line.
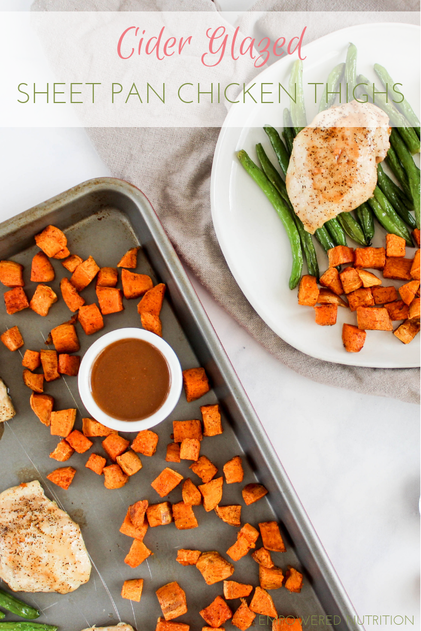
{"points": [[173, 167]]}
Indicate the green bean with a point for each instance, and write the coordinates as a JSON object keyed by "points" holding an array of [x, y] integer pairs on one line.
{"points": [[278, 147], [288, 132], [411, 170], [398, 171], [352, 228], [332, 84], [366, 221], [324, 238], [387, 216], [391, 190], [270, 172], [298, 109], [16, 606], [336, 231], [404, 106], [283, 213], [26, 626], [351, 71]]}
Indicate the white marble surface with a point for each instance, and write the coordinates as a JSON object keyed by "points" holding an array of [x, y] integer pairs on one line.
{"points": [[353, 459]]}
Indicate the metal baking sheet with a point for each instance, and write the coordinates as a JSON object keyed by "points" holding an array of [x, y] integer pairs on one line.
{"points": [[104, 218]]}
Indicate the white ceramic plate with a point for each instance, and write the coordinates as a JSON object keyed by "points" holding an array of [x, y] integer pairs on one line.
{"points": [[252, 237]]}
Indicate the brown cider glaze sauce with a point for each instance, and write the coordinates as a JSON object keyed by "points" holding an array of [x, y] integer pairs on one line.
{"points": [[130, 380]]}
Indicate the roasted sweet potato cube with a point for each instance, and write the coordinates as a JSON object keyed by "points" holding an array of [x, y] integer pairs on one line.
{"points": [[287, 624], [129, 462], [184, 517], [244, 617], [51, 240], [368, 279], [409, 290], [353, 338], [230, 514], [173, 453], [91, 319], [137, 554], [373, 319], [253, 492], [190, 449], [145, 442], [216, 613], [308, 291], [33, 381], [68, 364], [211, 416], [382, 295], [42, 300], [70, 295], [62, 477], [233, 470], [213, 629], [204, 468], [152, 323], [62, 452], [407, 331], [262, 557], [42, 406], [270, 578], [172, 600], [11, 274], [49, 361], [414, 309], [415, 267], [96, 463], [340, 255], [167, 480], [398, 310], [31, 360], [186, 429], [262, 603], [350, 279], [93, 429], [115, 445], [399, 269], [246, 539], [196, 383], [65, 338], [62, 254], [129, 529], [15, 300], [213, 567], [191, 494], [395, 246], [62, 422], [107, 277], [71, 262], [326, 314], [271, 536], [211, 493], [360, 298], [374, 258], [233, 590], [41, 269], [137, 512], [84, 274], [12, 339], [188, 557], [331, 280], [152, 301], [135, 285], [327, 297], [163, 625], [132, 589], [159, 514], [79, 442], [114, 477], [416, 235], [110, 300], [129, 260], [294, 580]]}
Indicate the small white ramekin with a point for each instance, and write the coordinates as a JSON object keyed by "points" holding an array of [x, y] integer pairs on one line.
{"points": [[84, 380]]}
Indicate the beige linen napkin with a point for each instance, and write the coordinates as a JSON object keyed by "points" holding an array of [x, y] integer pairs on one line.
{"points": [[173, 167]]}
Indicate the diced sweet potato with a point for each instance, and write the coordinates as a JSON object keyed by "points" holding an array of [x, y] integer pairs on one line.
{"points": [[287, 624], [204, 468], [42, 406], [415, 268], [243, 617], [65, 338], [41, 269], [135, 285], [230, 514], [15, 300], [172, 600], [416, 235], [414, 309], [191, 494], [159, 514], [373, 319], [353, 338], [62, 477], [395, 246], [190, 449], [129, 462], [399, 269], [129, 260], [114, 477], [62, 254], [137, 554], [213, 567], [233, 590], [186, 429], [253, 492], [145, 442], [162, 625], [42, 300], [211, 416], [233, 470], [374, 258], [31, 360], [33, 381], [262, 557], [68, 364], [216, 613], [368, 279], [152, 301], [137, 512], [62, 422], [70, 295], [79, 442], [91, 319], [84, 274], [132, 589], [71, 262], [382, 295], [246, 540], [11, 274], [327, 297], [92, 428], [294, 580], [340, 255], [270, 578], [96, 463], [188, 557], [49, 361], [331, 280], [397, 310], [62, 452], [184, 517], [167, 480], [360, 298], [211, 493], [262, 603], [308, 291], [271, 536], [129, 529], [152, 323], [107, 277], [115, 445], [409, 290], [12, 339], [350, 279], [110, 300], [196, 383], [173, 453], [51, 240], [407, 331], [326, 314]]}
